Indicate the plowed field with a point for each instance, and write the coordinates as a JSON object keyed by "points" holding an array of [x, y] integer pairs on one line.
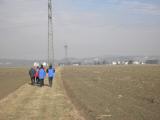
{"points": [[115, 92]]}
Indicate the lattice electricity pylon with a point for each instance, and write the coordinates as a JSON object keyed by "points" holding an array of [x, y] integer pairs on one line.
{"points": [[66, 51], [50, 34]]}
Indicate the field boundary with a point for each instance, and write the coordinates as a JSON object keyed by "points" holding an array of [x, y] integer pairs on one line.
{"points": [[77, 110], [79, 106]]}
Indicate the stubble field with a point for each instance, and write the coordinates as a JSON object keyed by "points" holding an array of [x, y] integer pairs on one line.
{"points": [[11, 79], [115, 92]]}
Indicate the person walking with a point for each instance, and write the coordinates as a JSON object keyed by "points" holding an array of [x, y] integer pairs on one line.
{"points": [[32, 75], [42, 75], [51, 74], [36, 75]]}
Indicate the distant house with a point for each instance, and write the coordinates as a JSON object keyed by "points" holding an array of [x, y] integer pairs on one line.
{"points": [[152, 61], [130, 62], [76, 64], [114, 63], [119, 62], [136, 63], [142, 63], [126, 63]]}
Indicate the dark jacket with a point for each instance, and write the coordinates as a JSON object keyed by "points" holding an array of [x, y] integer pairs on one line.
{"points": [[32, 72]]}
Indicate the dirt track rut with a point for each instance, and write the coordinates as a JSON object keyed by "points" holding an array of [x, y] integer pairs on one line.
{"points": [[35, 103]]}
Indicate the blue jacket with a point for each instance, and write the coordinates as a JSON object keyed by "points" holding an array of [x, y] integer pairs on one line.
{"points": [[51, 72], [42, 73]]}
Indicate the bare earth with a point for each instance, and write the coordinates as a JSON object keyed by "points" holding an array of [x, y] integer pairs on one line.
{"points": [[35, 103], [114, 92]]}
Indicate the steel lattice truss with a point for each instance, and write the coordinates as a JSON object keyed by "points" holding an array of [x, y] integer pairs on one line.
{"points": [[50, 34]]}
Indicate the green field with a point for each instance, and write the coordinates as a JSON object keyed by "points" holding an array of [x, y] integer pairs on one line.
{"points": [[115, 92], [11, 79]]}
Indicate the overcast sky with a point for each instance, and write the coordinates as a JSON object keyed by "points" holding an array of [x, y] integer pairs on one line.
{"points": [[89, 27]]}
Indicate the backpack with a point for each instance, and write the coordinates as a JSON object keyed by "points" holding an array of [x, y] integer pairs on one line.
{"points": [[32, 72], [51, 72]]}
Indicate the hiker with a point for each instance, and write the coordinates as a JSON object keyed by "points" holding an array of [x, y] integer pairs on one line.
{"points": [[44, 65], [32, 74], [42, 75], [37, 75], [51, 74]]}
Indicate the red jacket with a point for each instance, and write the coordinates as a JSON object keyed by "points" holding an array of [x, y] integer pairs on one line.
{"points": [[36, 74]]}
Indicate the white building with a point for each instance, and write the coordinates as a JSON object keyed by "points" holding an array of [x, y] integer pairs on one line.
{"points": [[114, 63], [136, 63], [119, 62]]}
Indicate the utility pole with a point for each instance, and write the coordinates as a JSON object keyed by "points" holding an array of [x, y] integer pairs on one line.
{"points": [[50, 34]]}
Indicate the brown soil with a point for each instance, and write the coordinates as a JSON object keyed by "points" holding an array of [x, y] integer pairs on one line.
{"points": [[115, 92]]}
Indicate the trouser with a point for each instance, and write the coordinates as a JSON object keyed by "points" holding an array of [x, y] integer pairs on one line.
{"points": [[50, 81], [37, 80], [41, 82], [32, 80]]}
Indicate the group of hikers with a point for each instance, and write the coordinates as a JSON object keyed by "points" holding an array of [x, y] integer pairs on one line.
{"points": [[38, 74]]}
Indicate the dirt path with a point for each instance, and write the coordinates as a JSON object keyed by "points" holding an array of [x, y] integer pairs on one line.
{"points": [[35, 103]]}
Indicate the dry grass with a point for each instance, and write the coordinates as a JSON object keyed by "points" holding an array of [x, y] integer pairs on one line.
{"points": [[11, 79], [115, 92], [35, 103]]}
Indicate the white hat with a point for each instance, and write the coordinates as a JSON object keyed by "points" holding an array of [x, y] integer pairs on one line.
{"points": [[35, 64], [44, 64]]}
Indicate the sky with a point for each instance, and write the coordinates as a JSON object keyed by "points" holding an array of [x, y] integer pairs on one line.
{"points": [[89, 28]]}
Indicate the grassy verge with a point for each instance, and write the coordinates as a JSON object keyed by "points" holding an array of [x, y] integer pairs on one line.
{"points": [[115, 92]]}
